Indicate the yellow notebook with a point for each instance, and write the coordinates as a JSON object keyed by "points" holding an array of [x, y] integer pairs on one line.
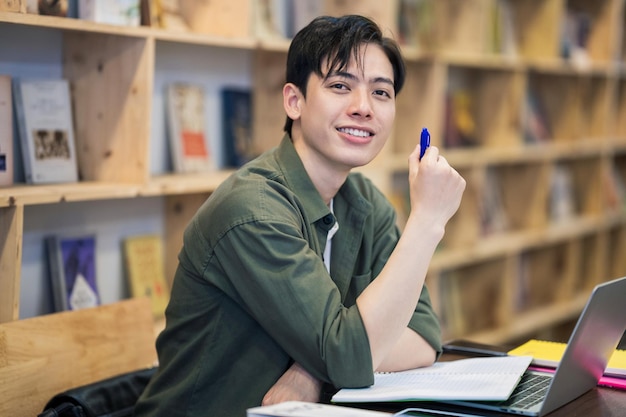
{"points": [[549, 354]]}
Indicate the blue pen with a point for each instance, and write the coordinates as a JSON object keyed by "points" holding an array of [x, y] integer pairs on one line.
{"points": [[424, 141]]}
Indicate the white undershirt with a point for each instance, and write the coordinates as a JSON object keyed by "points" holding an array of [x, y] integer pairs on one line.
{"points": [[329, 239]]}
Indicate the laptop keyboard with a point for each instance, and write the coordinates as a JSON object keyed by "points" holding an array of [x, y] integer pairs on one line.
{"points": [[529, 392]]}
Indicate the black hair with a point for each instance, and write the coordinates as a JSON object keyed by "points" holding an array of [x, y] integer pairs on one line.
{"points": [[337, 39]]}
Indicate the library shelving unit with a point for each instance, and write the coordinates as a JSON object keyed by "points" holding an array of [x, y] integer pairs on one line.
{"points": [[534, 122]]}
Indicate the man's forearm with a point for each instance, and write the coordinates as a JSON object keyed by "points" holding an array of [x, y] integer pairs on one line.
{"points": [[411, 351], [296, 384]]}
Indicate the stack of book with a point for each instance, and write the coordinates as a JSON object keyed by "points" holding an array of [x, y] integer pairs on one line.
{"points": [[547, 355]]}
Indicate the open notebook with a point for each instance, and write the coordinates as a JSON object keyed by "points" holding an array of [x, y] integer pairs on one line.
{"points": [[489, 378]]}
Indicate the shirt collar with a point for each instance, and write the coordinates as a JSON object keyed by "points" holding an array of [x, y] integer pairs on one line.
{"points": [[299, 181]]}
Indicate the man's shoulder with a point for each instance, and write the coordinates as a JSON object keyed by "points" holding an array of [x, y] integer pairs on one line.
{"points": [[247, 195]]}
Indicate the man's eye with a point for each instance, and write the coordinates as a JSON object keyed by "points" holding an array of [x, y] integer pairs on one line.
{"points": [[338, 86], [382, 93]]}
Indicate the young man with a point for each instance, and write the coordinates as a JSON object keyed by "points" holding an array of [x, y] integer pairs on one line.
{"points": [[293, 277]]}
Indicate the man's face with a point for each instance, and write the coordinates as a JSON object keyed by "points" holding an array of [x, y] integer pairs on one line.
{"points": [[347, 117]]}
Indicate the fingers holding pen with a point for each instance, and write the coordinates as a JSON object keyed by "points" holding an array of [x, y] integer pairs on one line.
{"points": [[418, 157], [435, 185]]}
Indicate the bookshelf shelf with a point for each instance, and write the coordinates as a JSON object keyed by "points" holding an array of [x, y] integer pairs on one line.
{"points": [[505, 57], [142, 32], [510, 243], [162, 185]]}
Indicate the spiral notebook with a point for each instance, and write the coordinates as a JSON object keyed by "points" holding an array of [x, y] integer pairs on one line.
{"points": [[487, 378]]}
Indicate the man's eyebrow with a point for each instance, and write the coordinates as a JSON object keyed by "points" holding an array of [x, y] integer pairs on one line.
{"points": [[348, 75], [385, 80], [341, 74]]}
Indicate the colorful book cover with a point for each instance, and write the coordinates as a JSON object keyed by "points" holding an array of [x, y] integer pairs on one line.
{"points": [[72, 263], [187, 128], [43, 109], [237, 126], [145, 270]]}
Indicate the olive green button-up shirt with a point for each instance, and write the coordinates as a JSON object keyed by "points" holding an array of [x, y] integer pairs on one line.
{"points": [[252, 294]]}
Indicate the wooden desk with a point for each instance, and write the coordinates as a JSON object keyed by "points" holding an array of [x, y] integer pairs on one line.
{"points": [[599, 402]]}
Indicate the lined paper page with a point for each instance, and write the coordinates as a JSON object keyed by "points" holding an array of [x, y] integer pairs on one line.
{"points": [[485, 378]]}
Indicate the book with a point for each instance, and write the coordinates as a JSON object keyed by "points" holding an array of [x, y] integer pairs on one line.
{"points": [[615, 188], [145, 270], [576, 29], [166, 14], [484, 378], [302, 13], [111, 12], [149, 13], [237, 140], [503, 29], [43, 110], [307, 409], [6, 132], [53, 7], [493, 216], [460, 125], [416, 24], [270, 19], [562, 199], [548, 354], [72, 263], [535, 122], [186, 128]]}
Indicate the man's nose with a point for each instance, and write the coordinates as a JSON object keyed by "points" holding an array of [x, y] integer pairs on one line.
{"points": [[361, 103]]}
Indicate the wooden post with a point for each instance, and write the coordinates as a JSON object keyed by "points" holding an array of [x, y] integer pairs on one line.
{"points": [[18, 6]]}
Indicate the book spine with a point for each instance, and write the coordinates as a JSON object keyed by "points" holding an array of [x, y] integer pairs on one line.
{"points": [[57, 278], [18, 101], [6, 132]]}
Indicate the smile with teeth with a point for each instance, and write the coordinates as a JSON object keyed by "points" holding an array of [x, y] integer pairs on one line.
{"points": [[355, 132]]}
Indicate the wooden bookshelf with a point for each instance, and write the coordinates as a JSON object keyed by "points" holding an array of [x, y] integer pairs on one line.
{"points": [[493, 279]]}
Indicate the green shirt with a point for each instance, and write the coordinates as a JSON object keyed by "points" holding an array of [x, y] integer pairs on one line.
{"points": [[252, 294]]}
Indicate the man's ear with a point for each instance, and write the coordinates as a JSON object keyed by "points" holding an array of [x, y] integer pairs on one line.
{"points": [[292, 100]]}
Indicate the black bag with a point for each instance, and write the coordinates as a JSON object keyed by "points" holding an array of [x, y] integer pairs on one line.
{"points": [[111, 397]]}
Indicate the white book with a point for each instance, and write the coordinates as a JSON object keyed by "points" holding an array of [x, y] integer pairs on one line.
{"points": [[188, 138], [306, 409], [111, 12], [6, 132], [44, 120]]}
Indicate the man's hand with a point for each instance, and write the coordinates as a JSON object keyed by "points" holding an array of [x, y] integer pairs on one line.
{"points": [[295, 385]]}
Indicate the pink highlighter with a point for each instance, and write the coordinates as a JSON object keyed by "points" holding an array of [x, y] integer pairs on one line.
{"points": [[424, 141]]}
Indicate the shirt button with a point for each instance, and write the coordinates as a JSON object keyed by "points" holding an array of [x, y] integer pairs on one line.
{"points": [[328, 220]]}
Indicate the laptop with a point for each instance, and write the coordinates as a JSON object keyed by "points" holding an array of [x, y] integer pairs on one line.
{"points": [[597, 333]]}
